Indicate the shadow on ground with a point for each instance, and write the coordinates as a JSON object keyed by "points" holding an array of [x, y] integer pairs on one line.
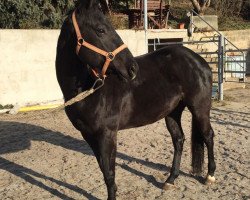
{"points": [[15, 136]]}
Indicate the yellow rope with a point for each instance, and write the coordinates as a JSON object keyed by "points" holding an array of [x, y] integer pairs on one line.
{"points": [[77, 98], [38, 107]]}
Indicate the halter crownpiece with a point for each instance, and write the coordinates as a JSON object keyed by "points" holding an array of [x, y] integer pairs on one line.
{"points": [[110, 56]]}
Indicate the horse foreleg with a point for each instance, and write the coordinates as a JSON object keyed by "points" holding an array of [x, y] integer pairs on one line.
{"points": [[104, 148], [173, 122]]}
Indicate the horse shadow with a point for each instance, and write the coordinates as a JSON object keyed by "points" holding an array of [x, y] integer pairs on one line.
{"points": [[15, 137], [26, 174], [228, 112]]}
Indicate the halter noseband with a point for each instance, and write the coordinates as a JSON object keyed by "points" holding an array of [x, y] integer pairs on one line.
{"points": [[110, 56]]}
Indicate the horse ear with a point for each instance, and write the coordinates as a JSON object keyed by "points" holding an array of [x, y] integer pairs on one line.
{"points": [[104, 6], [101, 4]]}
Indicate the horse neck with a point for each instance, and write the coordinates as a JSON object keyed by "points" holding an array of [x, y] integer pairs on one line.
{"points": [[72, 74]]}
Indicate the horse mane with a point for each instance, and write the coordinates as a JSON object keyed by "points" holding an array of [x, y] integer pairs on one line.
{"points": [[80, 7]]}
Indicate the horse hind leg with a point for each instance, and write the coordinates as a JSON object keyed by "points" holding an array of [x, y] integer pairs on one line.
{"points": [[202, 133], [173, 122]]}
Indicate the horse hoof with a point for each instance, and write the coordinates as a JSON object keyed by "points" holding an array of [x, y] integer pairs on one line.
{"points": [[210, 180], [168, 186]]}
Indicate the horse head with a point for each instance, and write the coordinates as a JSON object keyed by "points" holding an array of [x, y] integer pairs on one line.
{"points": [[96, 31]]}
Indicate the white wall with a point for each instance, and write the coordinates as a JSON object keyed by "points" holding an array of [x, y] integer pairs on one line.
{"points": [[27, 62], [27, 72]]}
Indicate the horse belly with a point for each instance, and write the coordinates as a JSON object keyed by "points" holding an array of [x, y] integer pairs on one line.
{"points": [[149, 110]]}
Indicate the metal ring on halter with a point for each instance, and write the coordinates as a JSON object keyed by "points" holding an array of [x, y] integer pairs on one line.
{"points": [[98, 80], [80, 41], [110, 56]]}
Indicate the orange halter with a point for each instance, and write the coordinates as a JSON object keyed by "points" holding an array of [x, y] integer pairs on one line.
{"points": [[110, 56]]}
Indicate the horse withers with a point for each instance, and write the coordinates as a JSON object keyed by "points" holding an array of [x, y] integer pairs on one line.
{"points": [[137, 91]]}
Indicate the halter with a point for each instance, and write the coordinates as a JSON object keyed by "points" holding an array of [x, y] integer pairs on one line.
{"points": [[110, 56]]}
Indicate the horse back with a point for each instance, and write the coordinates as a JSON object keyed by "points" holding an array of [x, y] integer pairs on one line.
{"points": [[167, 77]]}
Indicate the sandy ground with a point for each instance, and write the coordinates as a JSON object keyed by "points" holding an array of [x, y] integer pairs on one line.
{"points": [[46, 158]]}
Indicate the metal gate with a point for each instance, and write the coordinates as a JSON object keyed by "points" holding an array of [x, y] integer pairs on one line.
{"points": [[211, 57], [228, 63]]}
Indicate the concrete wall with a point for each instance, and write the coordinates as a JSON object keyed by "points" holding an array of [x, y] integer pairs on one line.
{"points": [[210, 19], [239, 38], [27, 61], [27, 69], [136, 39]]}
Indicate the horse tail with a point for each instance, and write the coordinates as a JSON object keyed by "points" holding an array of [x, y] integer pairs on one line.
{"points": [[197, 148]]}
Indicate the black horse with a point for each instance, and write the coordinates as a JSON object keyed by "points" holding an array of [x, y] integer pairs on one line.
{"points": [[137, 91]]}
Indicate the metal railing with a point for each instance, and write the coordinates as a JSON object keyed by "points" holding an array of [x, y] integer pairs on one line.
{"points": [[224, 59], [222, 53], [157, 43]]}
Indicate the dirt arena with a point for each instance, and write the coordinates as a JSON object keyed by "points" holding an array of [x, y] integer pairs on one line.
{"points": [[46, 158]]}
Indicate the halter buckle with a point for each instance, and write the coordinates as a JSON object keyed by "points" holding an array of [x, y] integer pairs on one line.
{"points": [[80, 41], [110, 56]]}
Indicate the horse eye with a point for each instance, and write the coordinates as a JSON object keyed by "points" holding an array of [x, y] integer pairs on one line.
{"points": [[100, 30]]}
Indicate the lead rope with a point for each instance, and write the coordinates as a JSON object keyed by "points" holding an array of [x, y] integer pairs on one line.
{"points": [[75, 99]]}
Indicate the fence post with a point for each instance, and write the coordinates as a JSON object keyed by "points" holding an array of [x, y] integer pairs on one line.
{"points": [[145, 4], [221, 62], [192, 22], [190, 26], [245, 68]]}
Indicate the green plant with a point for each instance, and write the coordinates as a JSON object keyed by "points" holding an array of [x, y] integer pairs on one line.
{"points": [[233, 23], [8, 106], [33, 13]]}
